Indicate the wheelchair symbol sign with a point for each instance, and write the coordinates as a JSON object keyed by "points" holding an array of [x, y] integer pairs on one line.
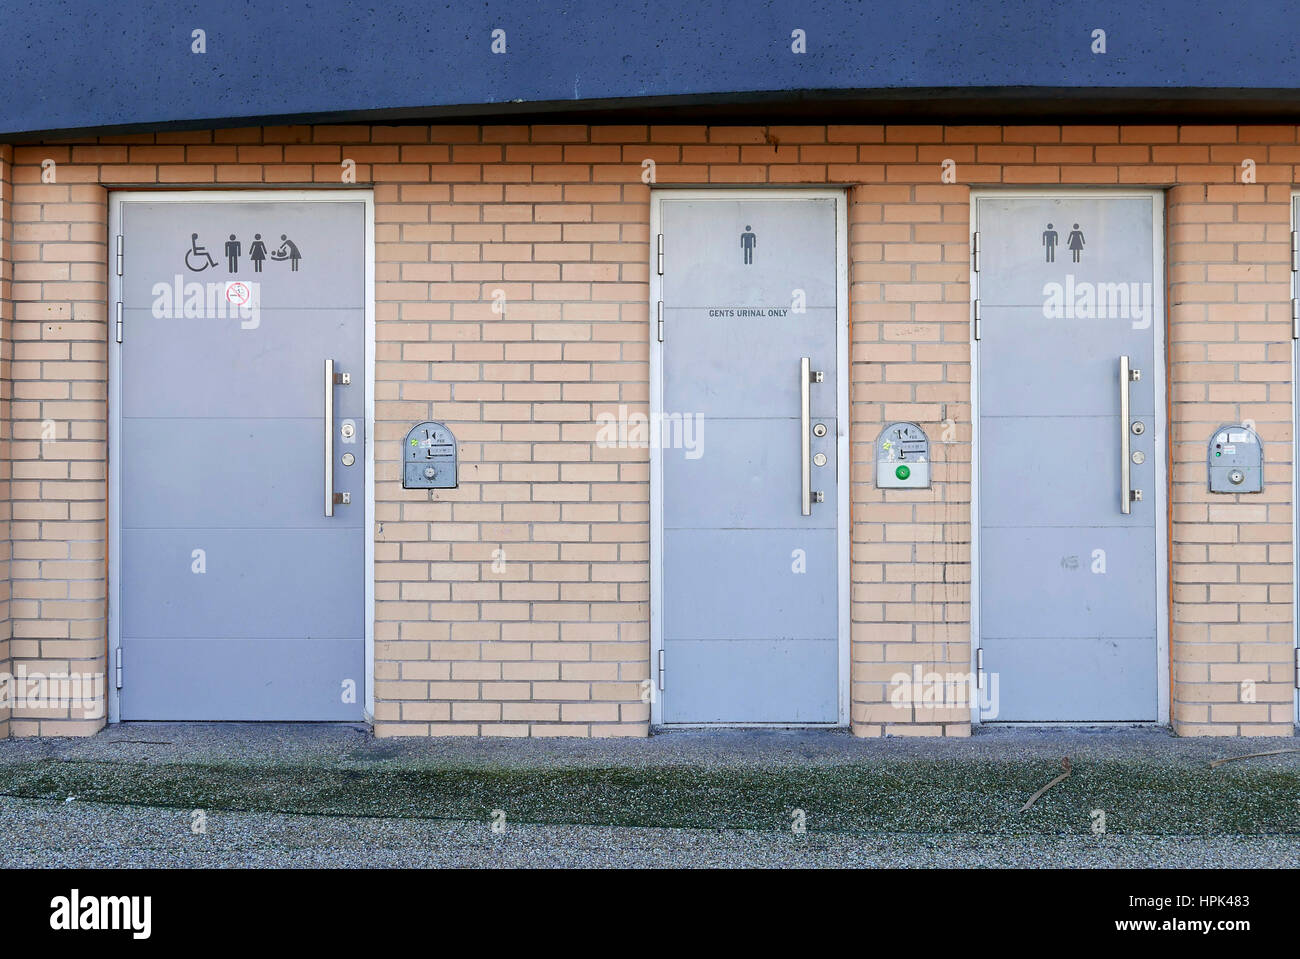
{"points": [[197, 258]]}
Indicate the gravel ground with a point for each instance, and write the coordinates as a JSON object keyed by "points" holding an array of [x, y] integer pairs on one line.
{"points": [[308, 743], [35, 833], [322, 795]]}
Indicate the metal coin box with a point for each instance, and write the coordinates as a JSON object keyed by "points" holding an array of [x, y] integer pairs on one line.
{"points": [[1235, 460], [429, 457], [902, 457]]}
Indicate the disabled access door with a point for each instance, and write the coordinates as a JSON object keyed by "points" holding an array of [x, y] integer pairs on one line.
{"points": [[1069, 321], [749, 414], [238, 457]]}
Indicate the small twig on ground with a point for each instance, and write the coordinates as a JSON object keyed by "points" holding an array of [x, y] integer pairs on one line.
{"points": [[1233, 759], [143, 742], [1065, 764]]}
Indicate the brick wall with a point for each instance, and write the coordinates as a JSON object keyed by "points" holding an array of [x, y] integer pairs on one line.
{"points": [[6, 354], [58, 436], [518, 604], [1230, 357], [910, 357]]}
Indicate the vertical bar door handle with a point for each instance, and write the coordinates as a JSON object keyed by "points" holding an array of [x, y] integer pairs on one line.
{"points": [[805, 440], [329, 437], [1125, 497]]}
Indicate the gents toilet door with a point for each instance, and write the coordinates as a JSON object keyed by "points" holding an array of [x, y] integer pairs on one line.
{"points": [[750, 560]]}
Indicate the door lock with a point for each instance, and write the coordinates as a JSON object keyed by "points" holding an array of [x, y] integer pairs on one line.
{"points": [[819, 429], [819, 459], [348, 459], [1138, 428], [347, 431]]}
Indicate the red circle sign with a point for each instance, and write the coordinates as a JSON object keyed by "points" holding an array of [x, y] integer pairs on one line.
{"points": [[238, 293]]}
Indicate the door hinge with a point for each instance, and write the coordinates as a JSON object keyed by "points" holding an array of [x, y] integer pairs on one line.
{"points": [[979, 668], [659, 324], [119, 254], [659, 257], [661, 670], [977, 320], [1295, 303], [119, 321], [1297, 669], [975, 252], [117, 669]]}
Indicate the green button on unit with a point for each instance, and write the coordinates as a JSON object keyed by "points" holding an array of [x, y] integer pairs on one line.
{"points": [[902, 472]]}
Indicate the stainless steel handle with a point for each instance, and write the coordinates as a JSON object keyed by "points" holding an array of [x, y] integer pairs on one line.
{"points": [[805, 439], [329, 437], [1125, 504], [1127, 495]]}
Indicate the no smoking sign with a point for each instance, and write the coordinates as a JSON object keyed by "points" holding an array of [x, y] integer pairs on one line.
{"points": [[238, 293]]}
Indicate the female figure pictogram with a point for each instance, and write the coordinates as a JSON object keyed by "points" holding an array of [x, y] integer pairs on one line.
{"points": [[257, 252], [1075, 242]]}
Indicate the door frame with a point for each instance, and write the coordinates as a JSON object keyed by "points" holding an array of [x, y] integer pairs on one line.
{"points": [[1295, 468], [840, 196], [1160, 440], [116, 200]]}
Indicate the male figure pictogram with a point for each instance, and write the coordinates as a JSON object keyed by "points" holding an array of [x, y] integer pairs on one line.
{"points": [[748, 240], [1050, 238]]}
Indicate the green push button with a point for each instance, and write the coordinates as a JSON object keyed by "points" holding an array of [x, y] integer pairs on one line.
{"points": [[902, 472]]}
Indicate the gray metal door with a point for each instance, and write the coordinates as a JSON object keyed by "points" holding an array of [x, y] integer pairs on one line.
{"points": [[240, 598], [1071, 472], [749, 491]]}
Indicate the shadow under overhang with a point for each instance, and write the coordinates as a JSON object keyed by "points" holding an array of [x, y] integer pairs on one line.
{"points": [[942, 105]]}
